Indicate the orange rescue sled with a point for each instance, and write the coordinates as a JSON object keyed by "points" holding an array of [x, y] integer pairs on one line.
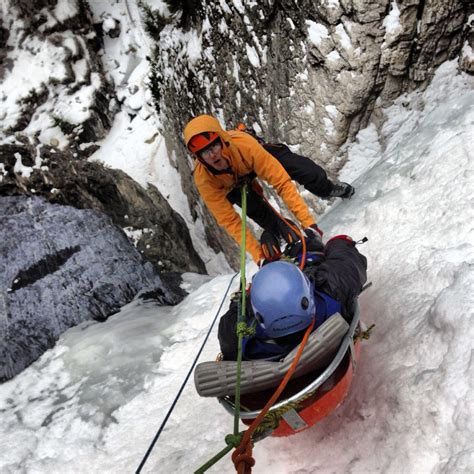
{"points": [[308, 398]]}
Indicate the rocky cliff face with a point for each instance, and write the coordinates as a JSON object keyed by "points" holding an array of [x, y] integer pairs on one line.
{"points": [[159, 233], [307, 73], [61, 266], [56, 103], [64, 252], [54, 90]]}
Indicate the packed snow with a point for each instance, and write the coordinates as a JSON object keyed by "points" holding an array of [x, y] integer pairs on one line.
{"points": [[95, 401], [467, 51], [317, 32], [194, 46], [344, 38], [252, 55], [333, 56], [45, 68], [392, 23], [20, 168]]}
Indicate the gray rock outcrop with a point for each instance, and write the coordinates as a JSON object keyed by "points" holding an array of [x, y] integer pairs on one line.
{"points": [[52, 122], [66, 224], [159, 233], [61, 266], [466, 58]]}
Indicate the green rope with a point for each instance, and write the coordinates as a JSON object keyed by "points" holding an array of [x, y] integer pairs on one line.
{"points": [[244, 330], [233, 440], [243, 285], [213, 460]]}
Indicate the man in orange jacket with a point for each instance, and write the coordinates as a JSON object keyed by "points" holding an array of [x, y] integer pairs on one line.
{"points": [[226, 159]]}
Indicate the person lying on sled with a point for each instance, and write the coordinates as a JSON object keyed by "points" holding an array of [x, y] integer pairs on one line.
{"points": [[284, 300]]}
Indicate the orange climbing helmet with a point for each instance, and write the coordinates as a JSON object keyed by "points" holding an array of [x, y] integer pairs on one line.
{"points": [[201, 141]]}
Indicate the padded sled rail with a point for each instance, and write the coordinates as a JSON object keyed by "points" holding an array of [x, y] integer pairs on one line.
{"points": [[218, 379], [344, 346]]}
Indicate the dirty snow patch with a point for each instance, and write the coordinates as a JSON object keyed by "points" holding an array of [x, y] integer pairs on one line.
{"points": [[317, 32]]}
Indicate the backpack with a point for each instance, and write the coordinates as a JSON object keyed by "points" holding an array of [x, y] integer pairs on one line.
{"points": [[241, 127]]}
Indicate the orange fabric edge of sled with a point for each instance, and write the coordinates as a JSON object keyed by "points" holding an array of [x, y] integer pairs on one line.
{"points": [[324, 405]]}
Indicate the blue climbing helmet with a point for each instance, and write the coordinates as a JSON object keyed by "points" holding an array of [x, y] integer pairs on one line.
{"points": [[282, 299]]}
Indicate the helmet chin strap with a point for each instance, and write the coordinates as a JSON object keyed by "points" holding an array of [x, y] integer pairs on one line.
{"points": [[202, 161]]}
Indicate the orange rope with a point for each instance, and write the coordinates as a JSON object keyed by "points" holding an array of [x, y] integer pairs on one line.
{"points": [[243, 461], [242, 456], [303, 241], [257, 188]]}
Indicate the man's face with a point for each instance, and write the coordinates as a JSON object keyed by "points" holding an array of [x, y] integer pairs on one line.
{"points": [[213, 157]]}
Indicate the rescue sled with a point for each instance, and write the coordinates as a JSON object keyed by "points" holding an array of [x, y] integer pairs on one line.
{"points": [[320, 384]]}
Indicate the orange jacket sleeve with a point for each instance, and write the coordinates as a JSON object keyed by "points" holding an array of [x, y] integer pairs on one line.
{"points": [[269, 168], [223, 211]]}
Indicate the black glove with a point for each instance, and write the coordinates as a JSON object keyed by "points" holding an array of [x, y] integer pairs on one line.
{"points": [[287, 232], [313, 241], [313, 238], [270, 247]]}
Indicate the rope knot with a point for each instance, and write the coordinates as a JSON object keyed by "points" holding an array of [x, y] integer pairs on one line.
{"points": [[244, 330], [233, 440], [242, 458]]}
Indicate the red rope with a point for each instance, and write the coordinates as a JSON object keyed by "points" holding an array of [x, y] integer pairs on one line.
{"points": [[259, 190], [242, 455]]}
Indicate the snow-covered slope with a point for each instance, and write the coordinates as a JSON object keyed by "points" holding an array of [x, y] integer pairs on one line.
{"points": [[94, 402]]}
